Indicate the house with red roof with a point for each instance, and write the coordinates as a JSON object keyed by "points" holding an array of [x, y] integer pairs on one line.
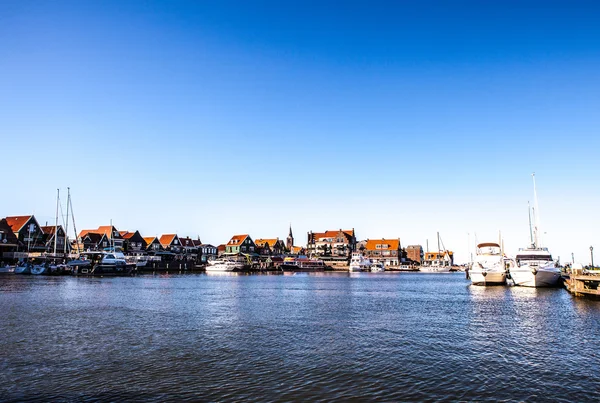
{"points": [[133, 242], [240, 244], [171, 243], [153, 244], [112, 235], [269, 246], [386, 251], [49, 237], [331, 243], [8, 240], [28, 232]]}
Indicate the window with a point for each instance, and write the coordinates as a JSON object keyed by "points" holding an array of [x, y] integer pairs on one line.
{"points": [[175, 242]]}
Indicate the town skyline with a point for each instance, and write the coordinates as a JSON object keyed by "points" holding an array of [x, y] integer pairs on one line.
{"points": [[398, 120]]}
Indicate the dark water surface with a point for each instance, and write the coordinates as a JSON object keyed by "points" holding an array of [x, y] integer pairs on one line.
{"points": [[363, 337]]}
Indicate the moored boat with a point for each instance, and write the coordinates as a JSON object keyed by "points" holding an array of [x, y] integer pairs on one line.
{"points": [[534, 265], [489, 265], [105, 263], [224, 264], [359, 263], [302, 264], [377, 267]]}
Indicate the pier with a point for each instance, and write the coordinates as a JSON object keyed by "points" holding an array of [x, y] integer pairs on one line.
{"points": [[583, 283]]}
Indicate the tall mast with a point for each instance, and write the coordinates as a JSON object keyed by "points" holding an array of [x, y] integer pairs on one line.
{"points": [[73, 218], [56, 221], [536, 216], [67, 222], [438, 239], [530, 228]]}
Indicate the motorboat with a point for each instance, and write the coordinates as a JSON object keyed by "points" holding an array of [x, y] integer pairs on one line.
{"points": [[224, 264], [534, 265], [7, 269], [489, 266], [535, 268], [377, 267], [102, 263], [359, 263], [302, 264], [23, 268]]}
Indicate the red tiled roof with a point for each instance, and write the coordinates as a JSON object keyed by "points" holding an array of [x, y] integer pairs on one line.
{"points": [[149, 239], [237, 240], [187, 241], [332, 234], [49, 229], [167, 239], [389, 244], [103, 230], [17, 222], [261, 242], [126, 234]]}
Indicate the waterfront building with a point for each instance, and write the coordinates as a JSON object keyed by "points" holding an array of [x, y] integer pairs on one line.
{"points": [[153, 244], [207, 252], [221, 249], [112, 237], [240, 244], [171, 243], [386, 251], [28, 232], [268, 247], [435, 258], [8, 240], [92, 241], [49, 235], [188, 247], [297, 250], [133, 242], [331, 243], [414, 254]]}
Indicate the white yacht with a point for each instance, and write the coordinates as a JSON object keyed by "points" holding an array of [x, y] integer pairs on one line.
{"points": [[534, 265], [377, 267], [224, 265], [359, 263], [489, 265], [535, 268]]}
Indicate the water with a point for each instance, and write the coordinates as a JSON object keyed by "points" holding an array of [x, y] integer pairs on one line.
{"points": [[359, 337]]}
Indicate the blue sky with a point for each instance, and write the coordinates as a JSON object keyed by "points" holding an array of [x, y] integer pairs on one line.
{"points": [[399, 119]]}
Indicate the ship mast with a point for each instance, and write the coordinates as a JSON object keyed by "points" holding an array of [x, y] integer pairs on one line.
{"points": [[56, 221], [536, 216]]}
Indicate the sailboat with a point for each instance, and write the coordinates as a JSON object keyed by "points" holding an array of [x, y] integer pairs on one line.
{"points": [[535, 267], [437, 262]]}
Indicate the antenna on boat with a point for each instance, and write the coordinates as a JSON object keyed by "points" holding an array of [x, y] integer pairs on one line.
{"points": [[66, 225], [530, 228], [56, 221], [70, 203]]}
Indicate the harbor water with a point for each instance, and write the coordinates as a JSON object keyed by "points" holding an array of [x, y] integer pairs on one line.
{"points": [[333, 336]]}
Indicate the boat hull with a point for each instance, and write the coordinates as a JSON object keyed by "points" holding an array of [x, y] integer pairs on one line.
{"points": [[435, 269], [535, 278], [292, 268], [22, 270], [484, 278]]}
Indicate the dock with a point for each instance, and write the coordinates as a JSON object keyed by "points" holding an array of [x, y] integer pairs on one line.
{"points": [[583, 283]]}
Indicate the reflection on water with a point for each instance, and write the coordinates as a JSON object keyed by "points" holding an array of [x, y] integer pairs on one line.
{"points": [[322, 336]]}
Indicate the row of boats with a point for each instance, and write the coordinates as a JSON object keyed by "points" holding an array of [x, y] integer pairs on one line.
{"points": [[531, 267]]}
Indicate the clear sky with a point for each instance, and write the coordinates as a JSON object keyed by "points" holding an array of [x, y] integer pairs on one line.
{"points": [[398, 119]]}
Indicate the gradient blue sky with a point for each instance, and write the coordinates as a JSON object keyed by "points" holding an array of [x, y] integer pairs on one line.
{"points": [[399, 119]]}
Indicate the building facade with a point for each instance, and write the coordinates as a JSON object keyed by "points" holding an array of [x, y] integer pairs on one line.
{"points": [[386, 251]]}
